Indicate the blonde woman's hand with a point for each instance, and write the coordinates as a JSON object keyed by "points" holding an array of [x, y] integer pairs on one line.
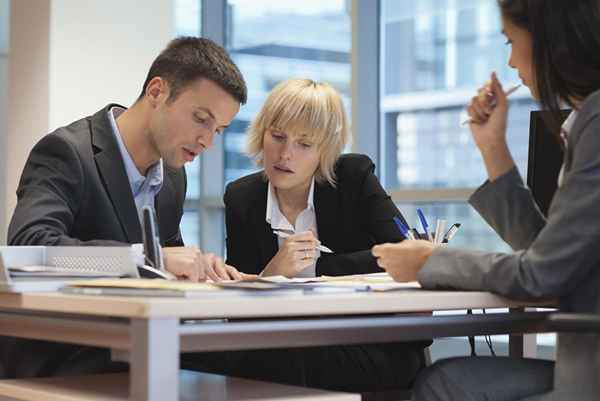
{"points": [[297, 252]]}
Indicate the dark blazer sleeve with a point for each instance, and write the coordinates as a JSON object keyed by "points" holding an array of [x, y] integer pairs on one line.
{"points": [[50, 191], [367, 219], [242, 244]]}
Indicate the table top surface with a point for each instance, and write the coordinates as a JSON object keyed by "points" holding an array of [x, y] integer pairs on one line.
{"points": [[234, 305], [115, 387]]}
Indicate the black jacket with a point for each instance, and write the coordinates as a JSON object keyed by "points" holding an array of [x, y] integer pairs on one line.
{"points": [[351, 218], [74, 190]]}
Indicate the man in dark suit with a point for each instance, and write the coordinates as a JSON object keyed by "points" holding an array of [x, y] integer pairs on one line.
{"points": [[86, 183]]}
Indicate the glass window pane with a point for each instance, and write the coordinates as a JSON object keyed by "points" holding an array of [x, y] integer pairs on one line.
{"points": [[188, 23], [274, 40], [434, 54], [190, 227]]}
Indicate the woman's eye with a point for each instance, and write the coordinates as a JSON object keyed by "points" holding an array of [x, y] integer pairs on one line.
{"points": [[306, 145]]}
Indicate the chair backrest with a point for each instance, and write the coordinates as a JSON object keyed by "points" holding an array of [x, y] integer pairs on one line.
{"points": [[545, 159]]}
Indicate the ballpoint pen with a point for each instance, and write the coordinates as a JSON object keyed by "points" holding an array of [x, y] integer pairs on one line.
{"points": [[451, 232], [404, 230], [284, 234], [508, 93], [423, 223], [439, 228]]}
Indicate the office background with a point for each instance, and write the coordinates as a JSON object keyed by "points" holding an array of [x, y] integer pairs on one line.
{"points": [[405, 69]]}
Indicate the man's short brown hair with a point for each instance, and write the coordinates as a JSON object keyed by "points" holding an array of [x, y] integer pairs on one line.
{"points": [[187, 59]]}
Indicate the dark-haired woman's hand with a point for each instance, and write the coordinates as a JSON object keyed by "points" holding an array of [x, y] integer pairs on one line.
{"points": [[489, 111]]}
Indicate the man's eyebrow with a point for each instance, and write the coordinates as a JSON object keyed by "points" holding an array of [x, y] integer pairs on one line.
{"points": [[211, 114]]}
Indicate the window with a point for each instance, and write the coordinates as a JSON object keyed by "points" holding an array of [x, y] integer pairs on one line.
{"points": [[434, 55], [271, 41]]}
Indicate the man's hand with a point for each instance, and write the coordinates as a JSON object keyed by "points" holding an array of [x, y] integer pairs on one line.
{"points": [[218, 270], [190, 263], [404, 260]]}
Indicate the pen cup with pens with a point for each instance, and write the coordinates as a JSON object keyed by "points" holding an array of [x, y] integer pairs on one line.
{"points": [[438, 236]]}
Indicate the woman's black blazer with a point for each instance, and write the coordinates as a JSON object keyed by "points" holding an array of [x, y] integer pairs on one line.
{"points": [[351, 217]]}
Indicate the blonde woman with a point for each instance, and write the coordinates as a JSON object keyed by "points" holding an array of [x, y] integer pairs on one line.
{"points": [[308, 195]]}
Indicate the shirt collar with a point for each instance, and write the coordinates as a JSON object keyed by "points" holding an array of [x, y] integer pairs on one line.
{"points": [[567, 126], [273, 214], [154, 175]]}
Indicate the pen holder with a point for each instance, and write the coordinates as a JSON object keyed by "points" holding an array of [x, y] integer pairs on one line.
{"points": [[419, 235]]}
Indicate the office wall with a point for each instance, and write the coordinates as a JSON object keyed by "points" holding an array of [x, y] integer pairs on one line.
{"points": [[27, 88], [69, 58], [101, 51], [4, 17]]}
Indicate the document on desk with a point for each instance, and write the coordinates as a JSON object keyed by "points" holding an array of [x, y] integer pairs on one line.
{"points": [[377, 282], [53, 271], [173, 288], [141, 287]]}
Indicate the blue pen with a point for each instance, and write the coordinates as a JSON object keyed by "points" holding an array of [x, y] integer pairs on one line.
{"points": [[403, 229], [423, 223]]}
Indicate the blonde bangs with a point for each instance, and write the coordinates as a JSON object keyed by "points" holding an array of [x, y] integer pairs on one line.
{"points": [[306, 109]]}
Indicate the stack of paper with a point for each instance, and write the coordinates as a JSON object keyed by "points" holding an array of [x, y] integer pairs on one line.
{"points": [[376, 282], [140, 287]]}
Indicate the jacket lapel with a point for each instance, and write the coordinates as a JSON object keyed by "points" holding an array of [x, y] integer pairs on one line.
{"points": [[112, 170], [327, 210], [267, 240]]}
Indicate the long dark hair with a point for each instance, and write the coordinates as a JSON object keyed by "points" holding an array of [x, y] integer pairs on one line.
{"points": [[566, 47]]}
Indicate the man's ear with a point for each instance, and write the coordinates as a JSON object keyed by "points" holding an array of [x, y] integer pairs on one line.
{"points": [[157, 90]]}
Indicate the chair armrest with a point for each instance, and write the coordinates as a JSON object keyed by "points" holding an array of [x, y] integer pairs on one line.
{"points": [[579, 322]]}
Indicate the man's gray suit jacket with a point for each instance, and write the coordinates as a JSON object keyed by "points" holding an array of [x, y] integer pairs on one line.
{"points": [[73, 191], [557, 257]]}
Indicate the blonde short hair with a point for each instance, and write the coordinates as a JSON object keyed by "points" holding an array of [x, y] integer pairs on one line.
{"points": [[303, 107]]}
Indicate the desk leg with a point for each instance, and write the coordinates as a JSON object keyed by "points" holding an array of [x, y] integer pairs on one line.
{"points": [[515, 341], [154, 360], [522, 346]]}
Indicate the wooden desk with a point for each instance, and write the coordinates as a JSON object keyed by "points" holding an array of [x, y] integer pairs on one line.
{"points": [[247, 321], [192, 385]]}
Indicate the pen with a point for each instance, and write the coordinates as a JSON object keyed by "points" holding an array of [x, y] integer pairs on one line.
{"points": [[508, 93], [423, 223], [283, 234], [403, 228], [452, 231], [439, 228]]}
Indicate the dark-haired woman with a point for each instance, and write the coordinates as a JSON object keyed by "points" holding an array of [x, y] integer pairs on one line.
{"points": [[556, 50]]}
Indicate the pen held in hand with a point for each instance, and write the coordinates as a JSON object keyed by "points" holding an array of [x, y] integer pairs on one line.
{"points": [[284, 234], [509, 92]]}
